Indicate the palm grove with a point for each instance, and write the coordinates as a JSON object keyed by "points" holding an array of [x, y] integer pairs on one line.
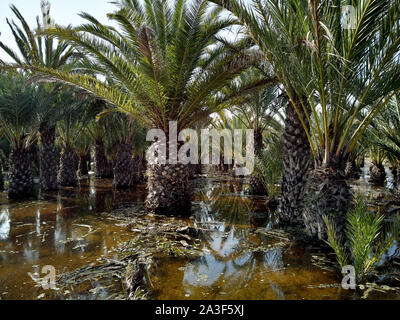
{"points": [[320, 96]]}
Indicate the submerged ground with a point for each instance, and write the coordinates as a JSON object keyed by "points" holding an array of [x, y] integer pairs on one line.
{"points": [[228, 249]]}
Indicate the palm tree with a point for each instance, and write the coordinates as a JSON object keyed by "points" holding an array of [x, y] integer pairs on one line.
{"points": [[99, 132], [333, 72], [71, 129], [386, 130], [34, 49], [225, 121], [124, 130], [165, 64], [377, 154], [355, 161], [259, 111], [82, 147], [269, 169], [18, 123]]}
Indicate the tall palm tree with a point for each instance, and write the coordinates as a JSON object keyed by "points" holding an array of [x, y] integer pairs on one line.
{"points": [[19, 124], [259, 111], [165, 64], [34, 49], [225, 121], [333, 72]]}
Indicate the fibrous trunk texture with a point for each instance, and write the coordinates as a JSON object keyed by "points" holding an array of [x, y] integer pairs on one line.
{"points": [[67, 175], [103, 167], [124, 173], [83, 167], [257, 188], [48, 159], [296, 159], [377, 174], [20, 176], [141, 168], [168, 187], [328, 194]]}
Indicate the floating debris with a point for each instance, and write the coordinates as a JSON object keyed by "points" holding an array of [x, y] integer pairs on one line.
{"points": [[371, 287]]}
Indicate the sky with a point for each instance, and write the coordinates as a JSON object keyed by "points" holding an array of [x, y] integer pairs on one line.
{"points": [[64, 12]]}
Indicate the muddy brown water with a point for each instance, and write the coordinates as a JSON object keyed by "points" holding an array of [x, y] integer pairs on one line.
{"points": [[67, 230]]}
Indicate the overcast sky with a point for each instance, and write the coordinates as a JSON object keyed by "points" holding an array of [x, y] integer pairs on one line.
{"points": [[63, 11]]}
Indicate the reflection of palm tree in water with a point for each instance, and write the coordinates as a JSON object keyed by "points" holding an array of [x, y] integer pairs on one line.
{"points": [[103, 202], [231, 273], [224, 212], [226, 207], [222, 221]]}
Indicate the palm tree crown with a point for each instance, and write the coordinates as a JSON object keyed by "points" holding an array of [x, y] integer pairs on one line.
{"points": [[163, 63], [332, 71]]}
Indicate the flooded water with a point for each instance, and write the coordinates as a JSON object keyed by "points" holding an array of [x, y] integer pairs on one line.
{"points": [[64, 230], [244, 255]]}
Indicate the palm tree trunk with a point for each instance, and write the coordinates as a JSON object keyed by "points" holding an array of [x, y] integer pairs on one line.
{"points": [[67, 175], [328, 194], [83, 167], [124, 173], [20, 176], [48, 159], [103, 167], [168, 187], [140, 168], [377, 174], [296, 159]]}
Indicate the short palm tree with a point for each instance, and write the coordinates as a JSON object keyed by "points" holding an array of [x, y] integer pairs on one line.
{"points": [[333, 72], [34, 49], [99, 130], [76, 116], [164, 63], [386, 129], [124, 130], [377, 154], [18, 123], [83, 147], [356, 161], [369, 238], [269, 170]]}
